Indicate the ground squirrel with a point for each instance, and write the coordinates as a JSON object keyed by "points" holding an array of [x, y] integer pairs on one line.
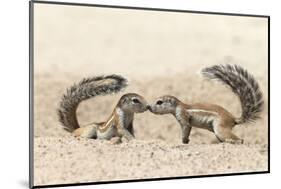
{"points": [[214, 117], [119, 124]]}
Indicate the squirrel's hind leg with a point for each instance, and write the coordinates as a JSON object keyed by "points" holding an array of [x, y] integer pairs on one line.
{"points": [[224, 134], [89, 131]]}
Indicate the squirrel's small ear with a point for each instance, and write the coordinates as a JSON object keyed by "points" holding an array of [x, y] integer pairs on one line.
{"points": [[124, 100]]}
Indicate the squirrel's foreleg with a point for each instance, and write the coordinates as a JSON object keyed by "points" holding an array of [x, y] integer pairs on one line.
{"points": [[185, 133], [183, 119], [126, 134]]}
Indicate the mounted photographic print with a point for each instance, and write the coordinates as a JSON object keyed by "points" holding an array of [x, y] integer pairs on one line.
{"points": [[121, 94]]}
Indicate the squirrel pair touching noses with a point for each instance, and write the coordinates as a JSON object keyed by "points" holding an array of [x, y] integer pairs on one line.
{"points": [[201, 115]]}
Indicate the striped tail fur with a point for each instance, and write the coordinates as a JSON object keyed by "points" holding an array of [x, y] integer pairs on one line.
{"points": [[85, 89], [243, 84]]}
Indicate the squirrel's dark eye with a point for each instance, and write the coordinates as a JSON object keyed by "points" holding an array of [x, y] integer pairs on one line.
{"points": [[159, 102], [136, 101]]}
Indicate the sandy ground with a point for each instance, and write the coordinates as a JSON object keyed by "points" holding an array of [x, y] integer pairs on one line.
{"points": [[160, 55]]}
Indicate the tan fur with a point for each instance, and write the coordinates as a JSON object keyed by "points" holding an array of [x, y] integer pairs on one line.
{"points": [[112, 120]]}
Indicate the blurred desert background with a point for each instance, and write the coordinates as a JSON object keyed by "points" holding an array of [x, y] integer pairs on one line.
{"points": [[159, 53]]}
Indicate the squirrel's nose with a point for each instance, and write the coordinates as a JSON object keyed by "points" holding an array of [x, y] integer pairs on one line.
{"points": [[148, 107]]}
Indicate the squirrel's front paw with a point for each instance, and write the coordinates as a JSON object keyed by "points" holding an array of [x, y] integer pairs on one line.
{"points": [[185, 140], [126, 140], [115, 140]]}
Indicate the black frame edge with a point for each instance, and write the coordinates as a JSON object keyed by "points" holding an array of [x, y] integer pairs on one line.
{"points": [[31, 80], [268, 92], [149, 9]]}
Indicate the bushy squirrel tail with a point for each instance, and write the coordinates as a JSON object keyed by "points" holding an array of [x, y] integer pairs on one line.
{"points": [[243, 84], [85, 89]]}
